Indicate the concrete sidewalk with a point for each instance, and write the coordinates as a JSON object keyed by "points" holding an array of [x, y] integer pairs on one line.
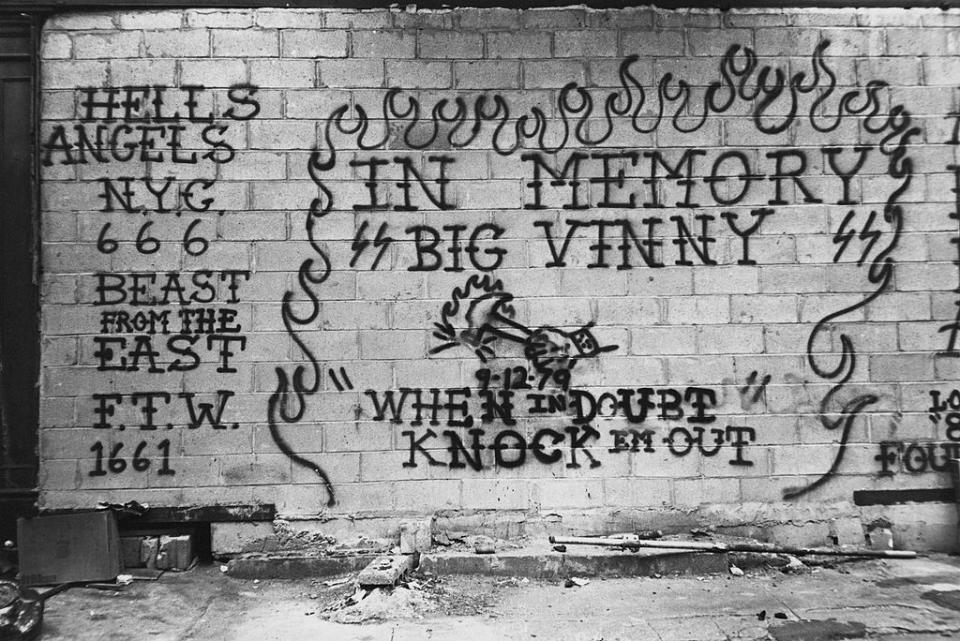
{"points": [[915, 600]]}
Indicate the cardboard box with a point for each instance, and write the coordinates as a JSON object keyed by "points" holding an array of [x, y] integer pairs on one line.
{"points": [[69, 547]]}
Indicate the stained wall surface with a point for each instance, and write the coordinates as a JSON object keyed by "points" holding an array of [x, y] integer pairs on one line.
{"points": [[555, 269]]}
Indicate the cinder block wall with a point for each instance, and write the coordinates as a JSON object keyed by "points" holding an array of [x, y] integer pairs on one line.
{"points": [[565, 269]]}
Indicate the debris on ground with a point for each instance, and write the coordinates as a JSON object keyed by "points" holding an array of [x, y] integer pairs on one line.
{"points": [[483, 545], [576, 581], [413, 597], [735, 571], [794, 566], [332, 583]]}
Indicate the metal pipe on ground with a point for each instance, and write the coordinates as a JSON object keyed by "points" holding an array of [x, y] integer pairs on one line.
{"points": [[702, 546]]}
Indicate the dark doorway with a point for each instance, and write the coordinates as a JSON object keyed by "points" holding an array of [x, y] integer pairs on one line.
{"points": [[19, 302]]}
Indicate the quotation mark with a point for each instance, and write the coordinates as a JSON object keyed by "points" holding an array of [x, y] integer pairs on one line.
{"points": [[347, 384]]}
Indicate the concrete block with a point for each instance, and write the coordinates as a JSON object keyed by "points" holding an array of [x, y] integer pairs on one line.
{"points": [[416, 536], [175, 552], [233, 538], [385, 570]]}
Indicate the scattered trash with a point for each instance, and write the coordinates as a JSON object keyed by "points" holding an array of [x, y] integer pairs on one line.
{"points": [[735, 571], [780, 615], [559, 548], [332, 583], [761, 615], [224, 568], [576, 581], [739, 546], [649, 535], [20, 616]]}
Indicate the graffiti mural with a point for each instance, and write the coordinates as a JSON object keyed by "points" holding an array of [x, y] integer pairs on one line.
{"points": [[281, 268], [714, 192]]}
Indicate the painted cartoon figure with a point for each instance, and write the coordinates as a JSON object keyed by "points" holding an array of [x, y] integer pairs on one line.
{"points": [[480, 313]]}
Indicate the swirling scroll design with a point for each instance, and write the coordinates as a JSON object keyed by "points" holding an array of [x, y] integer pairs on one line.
{"points": [[773, 102]]}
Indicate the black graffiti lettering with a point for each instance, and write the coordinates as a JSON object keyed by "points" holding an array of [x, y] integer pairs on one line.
{"points": [[739, 437], [557, 258], [519, 446], [544, 403], [105, 408], [585, 406], [636, 437], [93, 103], [121, 143], [780, 174], [670, 404], [700, 399], [100, 103], [676, 172], [889, 456], [132, 105], [83, 144], [439, 201], [416, 446], [149, 408], [845, 176], [148, 143], [744, 234], [617, 181], [456, 448], [242, 94], [458, 415], [426, 241], [389, 406], [158, 193], [560, 178], [370, 183], [539, 450], [430, 407], [498, 406], [646, 247], [204, 413], [145, 322], [143, 348], [745, 177], [191, 103], [104, 353], [915, 457], [578, 438], [183, 346], [140, 288], [124, 197], [176, 145], [225, 353], [122, 191], [643, 406], [700, 244], [220, 150]]}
